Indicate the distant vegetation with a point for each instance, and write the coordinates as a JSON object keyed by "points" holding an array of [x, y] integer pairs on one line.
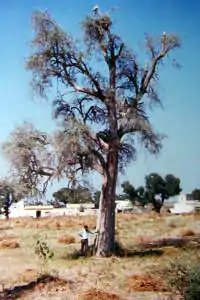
{"points": [[155, 191], [73, 195]]}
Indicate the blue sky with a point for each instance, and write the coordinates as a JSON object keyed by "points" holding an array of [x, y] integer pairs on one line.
{"points": [[180, 92]]}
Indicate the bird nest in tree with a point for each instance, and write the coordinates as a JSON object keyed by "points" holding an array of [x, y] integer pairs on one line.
{"points": [[96, 27]]}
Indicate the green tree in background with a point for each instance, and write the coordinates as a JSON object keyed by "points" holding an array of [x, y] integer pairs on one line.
{"points": [[155, 191], [8, 196], [73, 195], [196, 194]]}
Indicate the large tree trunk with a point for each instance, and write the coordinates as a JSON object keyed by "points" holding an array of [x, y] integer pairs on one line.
{"points": [[106, 220]]}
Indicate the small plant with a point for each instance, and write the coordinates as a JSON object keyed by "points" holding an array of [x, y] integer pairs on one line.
{"points": [[45, 254]]}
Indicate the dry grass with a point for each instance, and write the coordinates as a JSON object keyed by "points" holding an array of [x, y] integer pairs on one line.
{"points": [[9, 241], [55, 223], [7, 237], [66, 239], [28, 275], [95, 294], [187, 232], [140, 240], [150, 242], [9, 244], [146, 283]]}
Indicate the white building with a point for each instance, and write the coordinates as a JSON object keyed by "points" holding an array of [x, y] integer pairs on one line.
{"points": [[19, 209], [185, 204]]}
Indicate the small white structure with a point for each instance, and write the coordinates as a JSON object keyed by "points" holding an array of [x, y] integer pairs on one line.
{"points": [[127, 206], [185, 204], [123, 205], [19, 209]]}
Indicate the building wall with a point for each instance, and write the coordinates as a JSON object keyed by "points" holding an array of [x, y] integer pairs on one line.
{"points": [[19, 210], [185, 205]]}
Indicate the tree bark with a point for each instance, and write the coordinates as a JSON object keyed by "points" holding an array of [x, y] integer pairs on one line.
{"points": [[7, 206], [157, 205], [106, 219], [6, 212]]}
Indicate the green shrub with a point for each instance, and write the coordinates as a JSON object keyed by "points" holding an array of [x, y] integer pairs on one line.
{"points": [[185, 279], [193, 290]]}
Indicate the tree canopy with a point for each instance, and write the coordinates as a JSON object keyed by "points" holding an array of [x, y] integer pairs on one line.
{"points": [[155, 191], [102, 101], [196, 194], [135, 195], [8, 196], [73, 195], [85, 98]]}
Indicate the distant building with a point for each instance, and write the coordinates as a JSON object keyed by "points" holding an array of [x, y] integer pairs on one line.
{"points": [[20, 209], [185, 204]]}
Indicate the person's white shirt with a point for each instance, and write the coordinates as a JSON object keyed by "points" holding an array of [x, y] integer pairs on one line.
{"points": [[85, 234]]}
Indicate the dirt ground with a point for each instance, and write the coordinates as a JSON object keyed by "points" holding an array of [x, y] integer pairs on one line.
{"points": [[146, 244]]}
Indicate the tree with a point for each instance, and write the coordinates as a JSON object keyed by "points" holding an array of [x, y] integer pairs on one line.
{"points": [[8, 196], [159, 189], [29, 153], [103, 97], [96, 198], [135, 195], [196, 194], [73, 195], [155, 191], [129, 191]]}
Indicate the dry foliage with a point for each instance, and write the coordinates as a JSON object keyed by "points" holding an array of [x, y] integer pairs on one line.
{"points": [[9, 244], [7, 237], [94, 294], [171, 250], [187, 232], [146, 283], [56, 223], [66, 239], [143, 240], [172, 225], [28, 275]]}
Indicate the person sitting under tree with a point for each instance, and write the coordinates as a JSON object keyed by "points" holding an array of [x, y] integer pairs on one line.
{"points": [[85, 239]]}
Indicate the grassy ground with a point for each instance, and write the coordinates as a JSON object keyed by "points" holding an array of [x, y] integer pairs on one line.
{"points": [[146, 246]]}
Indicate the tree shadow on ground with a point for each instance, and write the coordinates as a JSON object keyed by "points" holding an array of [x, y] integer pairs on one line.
{"points": [[177, 242], [76, 254], [120, 251], [157, 247], [18, 291], [154, 248]]}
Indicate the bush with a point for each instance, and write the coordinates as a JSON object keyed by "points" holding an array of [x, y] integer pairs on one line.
{"points": [[185, 279], [9, 244], [66, 239], [193, 289], [187, 232]]}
